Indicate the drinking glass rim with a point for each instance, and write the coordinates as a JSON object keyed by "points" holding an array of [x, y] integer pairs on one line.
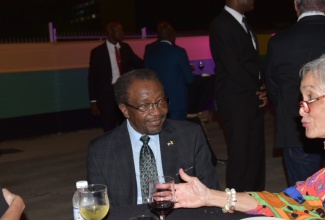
{"points": [[94, 191], [170, 179]]}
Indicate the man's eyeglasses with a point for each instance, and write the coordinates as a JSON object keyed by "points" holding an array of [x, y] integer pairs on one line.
{"points": [[161, 103], [305, 105]]}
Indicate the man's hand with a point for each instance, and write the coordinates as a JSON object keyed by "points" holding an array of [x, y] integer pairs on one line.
{"points": [[94, 109], [9, 197], [16, 206], [262, 96]]}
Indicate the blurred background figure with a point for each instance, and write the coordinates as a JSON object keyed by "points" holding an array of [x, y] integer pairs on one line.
{"points": [[152, 45], [287, 52], [107, 62], [173, 68]]}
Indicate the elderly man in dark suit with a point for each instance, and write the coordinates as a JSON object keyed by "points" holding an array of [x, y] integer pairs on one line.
{"points": [[287, 52], [239, 99], [107, 62], [116, 158], [173, 68]]}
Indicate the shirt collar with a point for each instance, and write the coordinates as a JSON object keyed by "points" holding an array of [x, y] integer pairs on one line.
{"points": [[235, 14], [109, 44], [166, 41], [135, 136], [310, 13]]}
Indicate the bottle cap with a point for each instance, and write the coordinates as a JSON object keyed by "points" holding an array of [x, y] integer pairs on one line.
{"points": [[81, 184]]}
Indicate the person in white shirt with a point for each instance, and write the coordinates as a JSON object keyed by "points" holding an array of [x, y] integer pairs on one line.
{"points": [[108, 62]]}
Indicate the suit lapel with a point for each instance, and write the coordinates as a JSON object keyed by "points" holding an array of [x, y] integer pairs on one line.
{"points": [[241, 29], [127, 170], [168, 147]]}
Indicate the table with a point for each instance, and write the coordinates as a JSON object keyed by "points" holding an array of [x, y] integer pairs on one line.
{"points": [[201, 93], [203, 213]]}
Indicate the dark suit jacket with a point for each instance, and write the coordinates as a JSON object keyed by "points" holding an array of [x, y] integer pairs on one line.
{"points": [[173, 68], [287, 52], [237, 63], [100, 70], [149, 47], [110, 159]]}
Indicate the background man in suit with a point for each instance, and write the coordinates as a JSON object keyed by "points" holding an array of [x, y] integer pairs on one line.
{"points": [[239, 99], [113, 158], [155, 43], [287, 52], [107, 62], [173, 68]]}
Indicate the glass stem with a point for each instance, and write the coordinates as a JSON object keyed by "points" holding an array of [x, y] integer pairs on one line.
{"points": [[162, 217]]}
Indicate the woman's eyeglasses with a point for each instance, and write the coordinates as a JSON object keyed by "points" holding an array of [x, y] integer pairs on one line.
{"points": [[305, 105]]}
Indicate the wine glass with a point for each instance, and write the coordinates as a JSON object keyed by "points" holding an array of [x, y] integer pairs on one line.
{"points": [[161, 195], [201, 66], [94, 204]]}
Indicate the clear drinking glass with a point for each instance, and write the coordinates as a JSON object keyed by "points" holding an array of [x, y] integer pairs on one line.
{"points": [[94, 204], [201, 66], [161, 195]]}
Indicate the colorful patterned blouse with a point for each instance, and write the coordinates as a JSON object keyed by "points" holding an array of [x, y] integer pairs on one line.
{"points": [[303, 201]]}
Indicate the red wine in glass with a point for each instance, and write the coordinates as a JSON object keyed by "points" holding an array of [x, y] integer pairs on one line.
{"points": [[161, 207], [161, 195]]}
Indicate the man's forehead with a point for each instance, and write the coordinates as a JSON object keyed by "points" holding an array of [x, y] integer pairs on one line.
{"points": [[141, 87], [138, 82]]}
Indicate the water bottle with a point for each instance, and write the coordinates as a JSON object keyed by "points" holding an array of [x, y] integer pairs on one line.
{"points": [[80, 185]]}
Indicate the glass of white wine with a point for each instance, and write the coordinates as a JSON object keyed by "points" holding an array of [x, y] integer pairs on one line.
{"points": [[94, 204]]}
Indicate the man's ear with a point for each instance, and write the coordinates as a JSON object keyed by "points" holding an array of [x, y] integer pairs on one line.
{"points": [[124, 110], [296, 2]]}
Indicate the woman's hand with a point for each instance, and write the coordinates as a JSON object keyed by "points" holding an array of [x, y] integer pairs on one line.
{"points": [[192, 194]]}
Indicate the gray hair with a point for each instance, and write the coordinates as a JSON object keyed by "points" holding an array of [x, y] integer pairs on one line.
{"points": [[123, 84], [317, 69], [310, 5]]}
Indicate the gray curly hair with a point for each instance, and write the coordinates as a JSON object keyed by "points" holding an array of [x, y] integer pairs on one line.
{"points": [[317, 69], [310, 5]]}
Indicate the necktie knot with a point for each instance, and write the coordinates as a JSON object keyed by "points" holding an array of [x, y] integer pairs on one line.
{"points": [[145, 139]]}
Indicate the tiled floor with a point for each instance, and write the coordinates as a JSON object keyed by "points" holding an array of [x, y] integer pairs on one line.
{"points": [[43, 170]]}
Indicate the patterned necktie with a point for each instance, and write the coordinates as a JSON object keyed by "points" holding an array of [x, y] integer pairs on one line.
{"points": [[118, 60], [249, 32], [148, 168]]}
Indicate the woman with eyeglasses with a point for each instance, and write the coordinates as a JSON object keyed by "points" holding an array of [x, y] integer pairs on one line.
{"points": [[306, 199]]}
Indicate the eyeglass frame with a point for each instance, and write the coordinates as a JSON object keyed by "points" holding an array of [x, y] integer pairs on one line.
{"points": [[151, 105], [305, 105]]}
